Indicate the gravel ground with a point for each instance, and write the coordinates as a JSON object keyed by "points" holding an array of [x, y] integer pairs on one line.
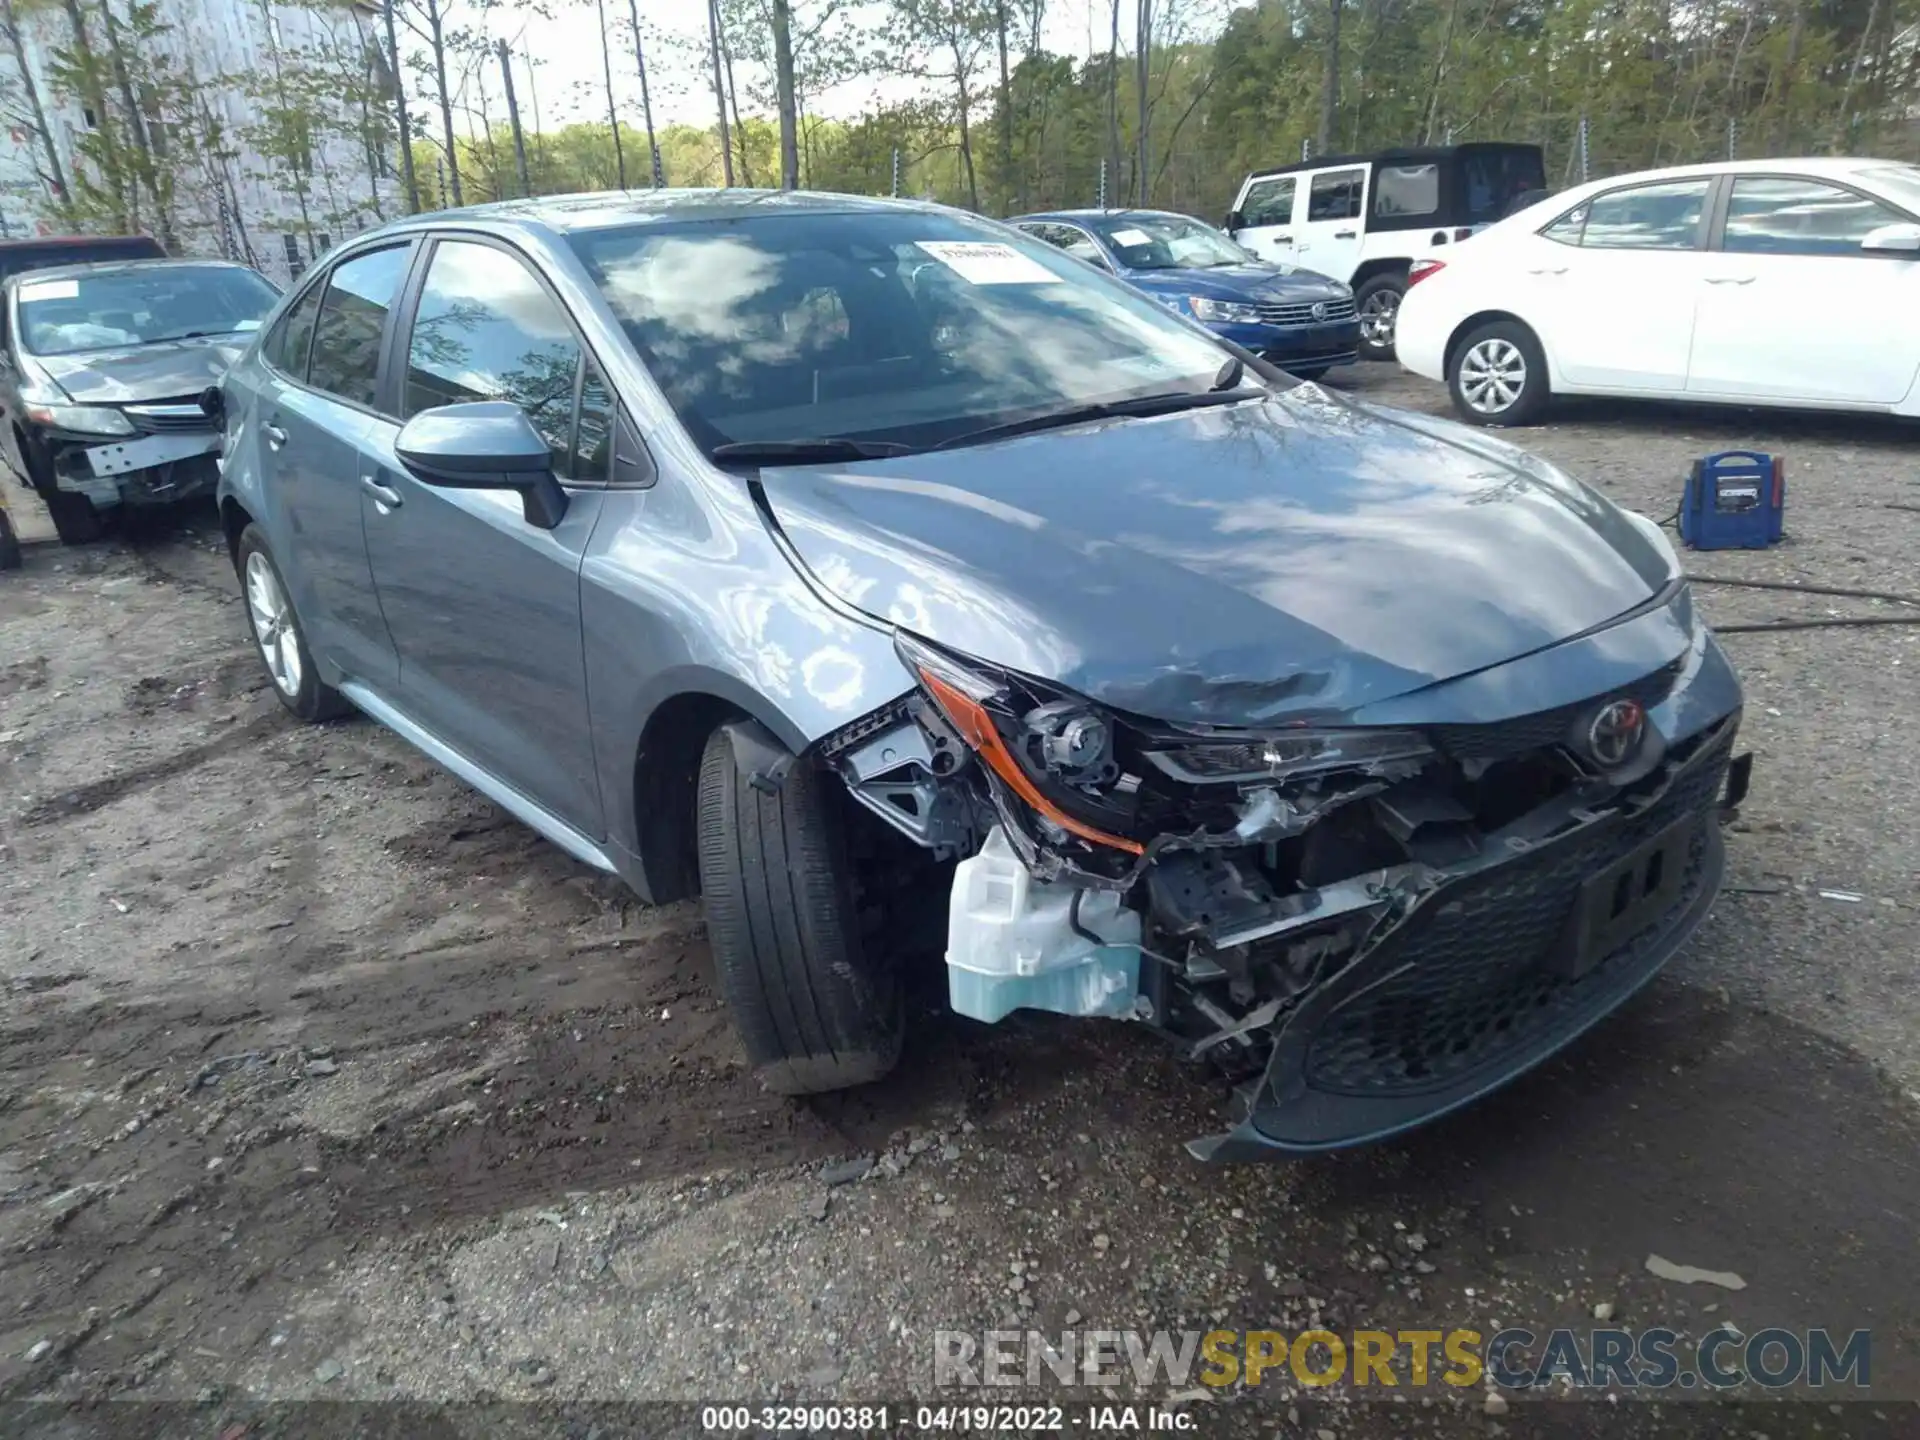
{"points": [[321, 1079]]}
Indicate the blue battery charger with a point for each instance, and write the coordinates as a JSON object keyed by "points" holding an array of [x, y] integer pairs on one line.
{"points": [[1735, 500]]}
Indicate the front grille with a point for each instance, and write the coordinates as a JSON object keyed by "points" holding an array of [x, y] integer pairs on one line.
{"points": [[1332, 311], [1505, 739], [168, 417], [1470, 983]]}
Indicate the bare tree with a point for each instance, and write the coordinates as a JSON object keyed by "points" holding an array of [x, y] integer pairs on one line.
{"points": [[1330, 85], [55, 175], [719, 90]]}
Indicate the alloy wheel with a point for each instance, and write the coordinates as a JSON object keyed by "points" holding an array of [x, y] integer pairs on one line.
{"points": [[1377, 316], [273, 625], [1492, 376]]}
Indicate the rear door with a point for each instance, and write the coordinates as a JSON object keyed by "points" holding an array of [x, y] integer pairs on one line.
{"points": [[315, 412], [1610, 285], [484, 609], [1263, 218], [1791, 307], [1328, 235]]}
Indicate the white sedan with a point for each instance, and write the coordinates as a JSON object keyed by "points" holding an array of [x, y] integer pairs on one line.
{"points": [[1757, 282]]}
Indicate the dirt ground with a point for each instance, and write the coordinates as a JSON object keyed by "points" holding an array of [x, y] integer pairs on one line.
{"points": [[321, 1079]]}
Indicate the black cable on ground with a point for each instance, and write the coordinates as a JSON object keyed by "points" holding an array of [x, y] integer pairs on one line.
{"points": [[1838, 621], [1805, 589]]}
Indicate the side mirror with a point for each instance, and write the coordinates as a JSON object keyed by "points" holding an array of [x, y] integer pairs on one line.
{"points": [[1235, 221], [484, 445], [1901, 239]]}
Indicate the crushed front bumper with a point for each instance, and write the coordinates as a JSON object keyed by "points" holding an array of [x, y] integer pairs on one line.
{"points": [[143, 470], [1485, 976]]}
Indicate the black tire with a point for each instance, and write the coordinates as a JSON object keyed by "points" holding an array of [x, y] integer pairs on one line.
{"points": [[75, 520], [313, 701], [814, 1010], [1381, 292], [10, 556], [1500, 348]]}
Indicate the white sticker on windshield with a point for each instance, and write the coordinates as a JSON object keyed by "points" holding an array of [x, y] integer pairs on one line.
{"points": [[49, 290], [986, 263], [246, 324], [1131, 237]]}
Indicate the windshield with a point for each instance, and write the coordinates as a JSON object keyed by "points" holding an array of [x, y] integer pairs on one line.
{"points": [[1168, 242], [117, 308], [907, 327]]}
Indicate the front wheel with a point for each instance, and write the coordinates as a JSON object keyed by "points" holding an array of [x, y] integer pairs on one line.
{"points": [[1377, 300], [1498, 376], [815, 1010]]}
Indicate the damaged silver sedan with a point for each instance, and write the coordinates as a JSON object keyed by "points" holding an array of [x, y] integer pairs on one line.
{"points": [[103, 368], [842, 560]]}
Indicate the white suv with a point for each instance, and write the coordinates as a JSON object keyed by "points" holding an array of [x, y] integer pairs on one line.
{"points": [[1364, 218], [1754, 282]]}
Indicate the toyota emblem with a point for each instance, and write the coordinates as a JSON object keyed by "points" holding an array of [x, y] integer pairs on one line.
{"points": [[1319, 309], [1615, 732]]}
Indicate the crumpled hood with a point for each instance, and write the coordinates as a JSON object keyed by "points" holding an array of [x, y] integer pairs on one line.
{"points": [[144, 372], [1297, 557], [1241, 282]]}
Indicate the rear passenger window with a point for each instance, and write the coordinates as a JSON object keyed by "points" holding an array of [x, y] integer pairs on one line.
{"points": [[486, 330], [346, 338], [285, 347], [1335, 195]]}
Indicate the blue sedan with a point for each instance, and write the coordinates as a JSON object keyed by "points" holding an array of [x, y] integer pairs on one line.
{"points": [[1298, 319]]}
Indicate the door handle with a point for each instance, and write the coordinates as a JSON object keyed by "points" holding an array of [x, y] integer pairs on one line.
{"points": [[1281, 239], [1345, 234], [273, 435], [384, 496], [1729, 279], [1549, 270]]}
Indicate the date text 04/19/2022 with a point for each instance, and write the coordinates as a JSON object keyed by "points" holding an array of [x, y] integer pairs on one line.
{"points": [[943, 1419]]}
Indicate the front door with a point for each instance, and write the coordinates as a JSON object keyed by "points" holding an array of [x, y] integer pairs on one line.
{"points": [[315, 406], [1330, 231], [1790, 307], [484, 608], [1263, 220], [1610, 286]]}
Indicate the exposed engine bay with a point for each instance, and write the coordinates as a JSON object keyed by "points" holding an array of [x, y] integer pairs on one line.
{"points": [[1284, 903]]}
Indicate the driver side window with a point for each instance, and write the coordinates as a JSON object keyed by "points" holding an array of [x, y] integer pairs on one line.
{"points": [[485, 329]]}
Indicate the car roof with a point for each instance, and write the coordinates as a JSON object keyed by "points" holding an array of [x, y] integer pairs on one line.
{"points": [[38, 242], [1835, 167], [105, 267], [1401, 156], [1093, 213], [608, 208]]}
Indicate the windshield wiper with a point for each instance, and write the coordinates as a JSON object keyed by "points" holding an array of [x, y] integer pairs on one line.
{"points": [[1225, 391], [192, 335], [807, 450]]}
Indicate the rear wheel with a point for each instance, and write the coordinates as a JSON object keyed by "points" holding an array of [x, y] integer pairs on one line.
{"points": [[10, 556], [1498, 375], [277, 633], [1377, 300], [815, 1009]]}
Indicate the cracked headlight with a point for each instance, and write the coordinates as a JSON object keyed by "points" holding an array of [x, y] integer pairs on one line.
{"points": [[1289, 755], [1223, 312], [80, 419]]}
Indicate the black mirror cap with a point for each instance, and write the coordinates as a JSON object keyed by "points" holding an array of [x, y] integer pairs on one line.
{"points": [[1235, 221]]}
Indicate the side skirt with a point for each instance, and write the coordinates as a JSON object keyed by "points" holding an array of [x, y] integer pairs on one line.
{"points": [[587, 851]]}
